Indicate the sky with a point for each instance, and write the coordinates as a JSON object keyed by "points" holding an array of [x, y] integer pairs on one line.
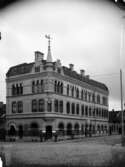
{"points": [[86, 33]]}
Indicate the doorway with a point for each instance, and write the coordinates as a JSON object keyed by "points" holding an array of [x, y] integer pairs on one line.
{"points": [[48, 132]]}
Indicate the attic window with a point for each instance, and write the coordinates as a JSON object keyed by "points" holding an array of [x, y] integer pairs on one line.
{"points": [[37, 69]]}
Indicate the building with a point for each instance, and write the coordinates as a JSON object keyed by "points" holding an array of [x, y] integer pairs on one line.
{"points": [[44, 95], [2, 120], [115, 126]]}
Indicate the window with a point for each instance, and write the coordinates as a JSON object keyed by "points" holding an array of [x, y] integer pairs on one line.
{"points": [[77, 93], [68, 107], [93, 98], [33, 87], [104, 101], [14, 107], [34, 106], [41, 86], [97, 112], [17, 89], [56, 105], [86, 110], [73, 108], [37, 69], [89, 96], [49, 106], [73, 91], [85, 95], [61, 88], [82, 110], [61, 106], [90, 111], [98, 99], [13, 90], [55, 86], [20, 106], [77, 109], [82, 94], [67, 90], [41, 105]]}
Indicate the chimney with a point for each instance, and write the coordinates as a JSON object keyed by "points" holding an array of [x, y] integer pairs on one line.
{"points": [[82, 72], [71, 66], [87, 76], [39, 56]]}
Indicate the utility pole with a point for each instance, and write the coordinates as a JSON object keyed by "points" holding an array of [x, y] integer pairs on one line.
{"points": [[122, 110], [121, 82]]}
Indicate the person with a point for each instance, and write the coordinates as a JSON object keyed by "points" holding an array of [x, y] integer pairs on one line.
{"points": [[41, 136], [55, 136]]}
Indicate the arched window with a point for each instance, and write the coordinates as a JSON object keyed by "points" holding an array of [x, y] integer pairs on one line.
{"points": [[82, 109], [20, 106], [34, 105], [61, 128], [49, 106], [61, 106], [68, 107], [41, 105], [56, 105], [77, 109], [14, 107], [12, 131], [76, 128], [73, 108], [69, 129]]}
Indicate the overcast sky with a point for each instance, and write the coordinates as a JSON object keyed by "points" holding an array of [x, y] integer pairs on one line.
{"points": [[86, 33]]}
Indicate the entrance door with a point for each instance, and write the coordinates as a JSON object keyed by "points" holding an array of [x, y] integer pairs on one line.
{"points": [[48, 132]]}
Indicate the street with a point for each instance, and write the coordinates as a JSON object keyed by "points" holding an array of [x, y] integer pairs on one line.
{"points": [[95, 151]]}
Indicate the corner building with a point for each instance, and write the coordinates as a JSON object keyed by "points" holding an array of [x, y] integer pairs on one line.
{"points": [[44, 95]]}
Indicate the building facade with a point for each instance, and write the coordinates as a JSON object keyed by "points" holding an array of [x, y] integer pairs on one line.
{"points": [[46, 96]]}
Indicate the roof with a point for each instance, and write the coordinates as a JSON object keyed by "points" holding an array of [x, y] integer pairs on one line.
{"points": [[20, 69], [75, 75], [27, 68]]}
